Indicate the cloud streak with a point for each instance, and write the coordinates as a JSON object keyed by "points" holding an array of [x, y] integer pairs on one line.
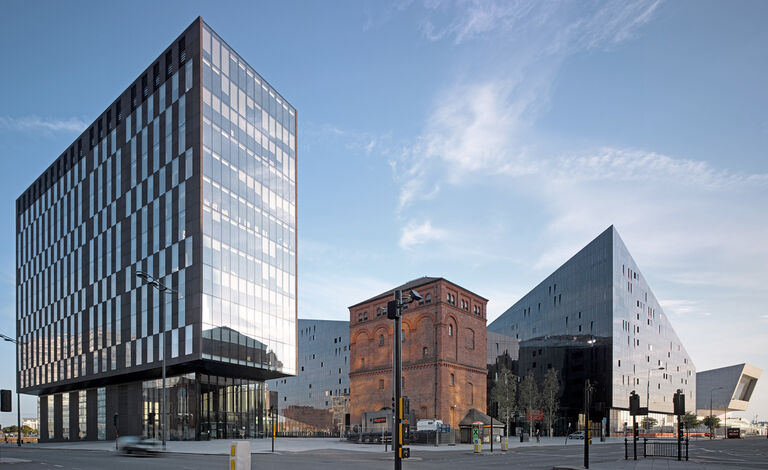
{"points": [[44, 124], [571, 25], [417, 233]]}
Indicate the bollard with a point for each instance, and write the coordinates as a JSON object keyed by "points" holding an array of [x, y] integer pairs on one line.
{"points": [[626, 450], [240, 455]]}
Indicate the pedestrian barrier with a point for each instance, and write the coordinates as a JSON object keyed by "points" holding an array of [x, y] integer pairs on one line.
{"points": [[664, 448]]}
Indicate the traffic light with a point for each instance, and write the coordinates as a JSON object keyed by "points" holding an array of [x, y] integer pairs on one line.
{"points": [[6, 400], [679, 401], [634, 404], [406, 452], [406, 407], [392, 309]]}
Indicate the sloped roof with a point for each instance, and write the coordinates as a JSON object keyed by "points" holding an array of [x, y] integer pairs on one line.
{"points": [[412, 285], [474, 415]]}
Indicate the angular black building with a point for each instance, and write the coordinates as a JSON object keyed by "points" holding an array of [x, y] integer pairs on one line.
{"points": [[188, 176], [595, 318]]}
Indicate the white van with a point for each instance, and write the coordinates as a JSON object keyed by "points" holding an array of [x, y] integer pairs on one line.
{"points": [[428, 424]]}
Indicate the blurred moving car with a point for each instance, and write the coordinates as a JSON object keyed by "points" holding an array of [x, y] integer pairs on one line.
{"points": [[138, 445], [576, 435]]}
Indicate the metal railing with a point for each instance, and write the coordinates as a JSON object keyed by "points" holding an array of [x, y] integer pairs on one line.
{"points": [[664, 448]]}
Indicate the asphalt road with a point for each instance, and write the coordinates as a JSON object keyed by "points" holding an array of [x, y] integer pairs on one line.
{"points": [[741, 454]]}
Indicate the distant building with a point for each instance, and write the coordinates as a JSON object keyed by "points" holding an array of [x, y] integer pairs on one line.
{"points": [[596, 318], [317, 399], [444, 352], [32, 423], [725, 389]]}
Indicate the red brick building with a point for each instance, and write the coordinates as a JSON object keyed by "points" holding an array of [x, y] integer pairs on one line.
{"points": [[444, 369]]}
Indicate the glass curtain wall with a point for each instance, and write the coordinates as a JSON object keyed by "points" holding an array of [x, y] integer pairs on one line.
{"points": [[181, 406], [231, 408], [82, 415], [224, 407], [65, 415], [249, 214]]}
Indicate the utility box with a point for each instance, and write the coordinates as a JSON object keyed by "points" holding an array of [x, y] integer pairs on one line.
{"points": [[240, 456], [476, 436]]}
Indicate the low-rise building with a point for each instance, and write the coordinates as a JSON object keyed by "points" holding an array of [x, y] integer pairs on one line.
{"points": [[443, 352]]}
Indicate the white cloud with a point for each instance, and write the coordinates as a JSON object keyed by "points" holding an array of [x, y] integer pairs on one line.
{"points": [[485, 126], [418, 233], [36, 123]]}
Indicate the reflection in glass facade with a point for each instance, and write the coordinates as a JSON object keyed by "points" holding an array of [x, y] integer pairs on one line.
{"points": [[249, 214], [189, 176], [596, 318], [317, 399]]}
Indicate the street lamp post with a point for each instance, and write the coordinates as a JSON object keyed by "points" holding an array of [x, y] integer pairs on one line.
{"points": [[18, 383], [152, 282], [711, 424]]}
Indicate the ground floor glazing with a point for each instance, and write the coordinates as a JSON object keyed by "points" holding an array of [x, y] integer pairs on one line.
{"points": [[198, 406]]}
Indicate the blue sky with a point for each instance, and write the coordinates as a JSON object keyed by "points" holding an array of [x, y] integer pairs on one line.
{"points": [[485, 142]]}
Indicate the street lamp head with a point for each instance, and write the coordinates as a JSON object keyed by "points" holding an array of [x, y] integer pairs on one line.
{"points": [[143, 275], [7, 338]]}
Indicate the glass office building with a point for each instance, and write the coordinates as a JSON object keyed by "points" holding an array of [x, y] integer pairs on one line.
{"points": [[189, 176], [596, 318]]}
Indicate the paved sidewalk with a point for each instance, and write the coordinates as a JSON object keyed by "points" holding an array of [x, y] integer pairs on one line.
{"points": [[296, 444]]}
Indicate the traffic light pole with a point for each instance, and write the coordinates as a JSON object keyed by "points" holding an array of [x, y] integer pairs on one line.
{"points": [[397, 437]]}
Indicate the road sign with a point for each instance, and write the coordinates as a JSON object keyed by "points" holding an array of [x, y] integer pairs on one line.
{"points": [[535, 415]]}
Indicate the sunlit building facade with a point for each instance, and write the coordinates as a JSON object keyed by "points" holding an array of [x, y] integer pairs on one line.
{"points": [[189, 176]]}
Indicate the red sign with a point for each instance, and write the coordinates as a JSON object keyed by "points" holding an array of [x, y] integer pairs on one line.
{"points": [[382, 419], [535, 415]]}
